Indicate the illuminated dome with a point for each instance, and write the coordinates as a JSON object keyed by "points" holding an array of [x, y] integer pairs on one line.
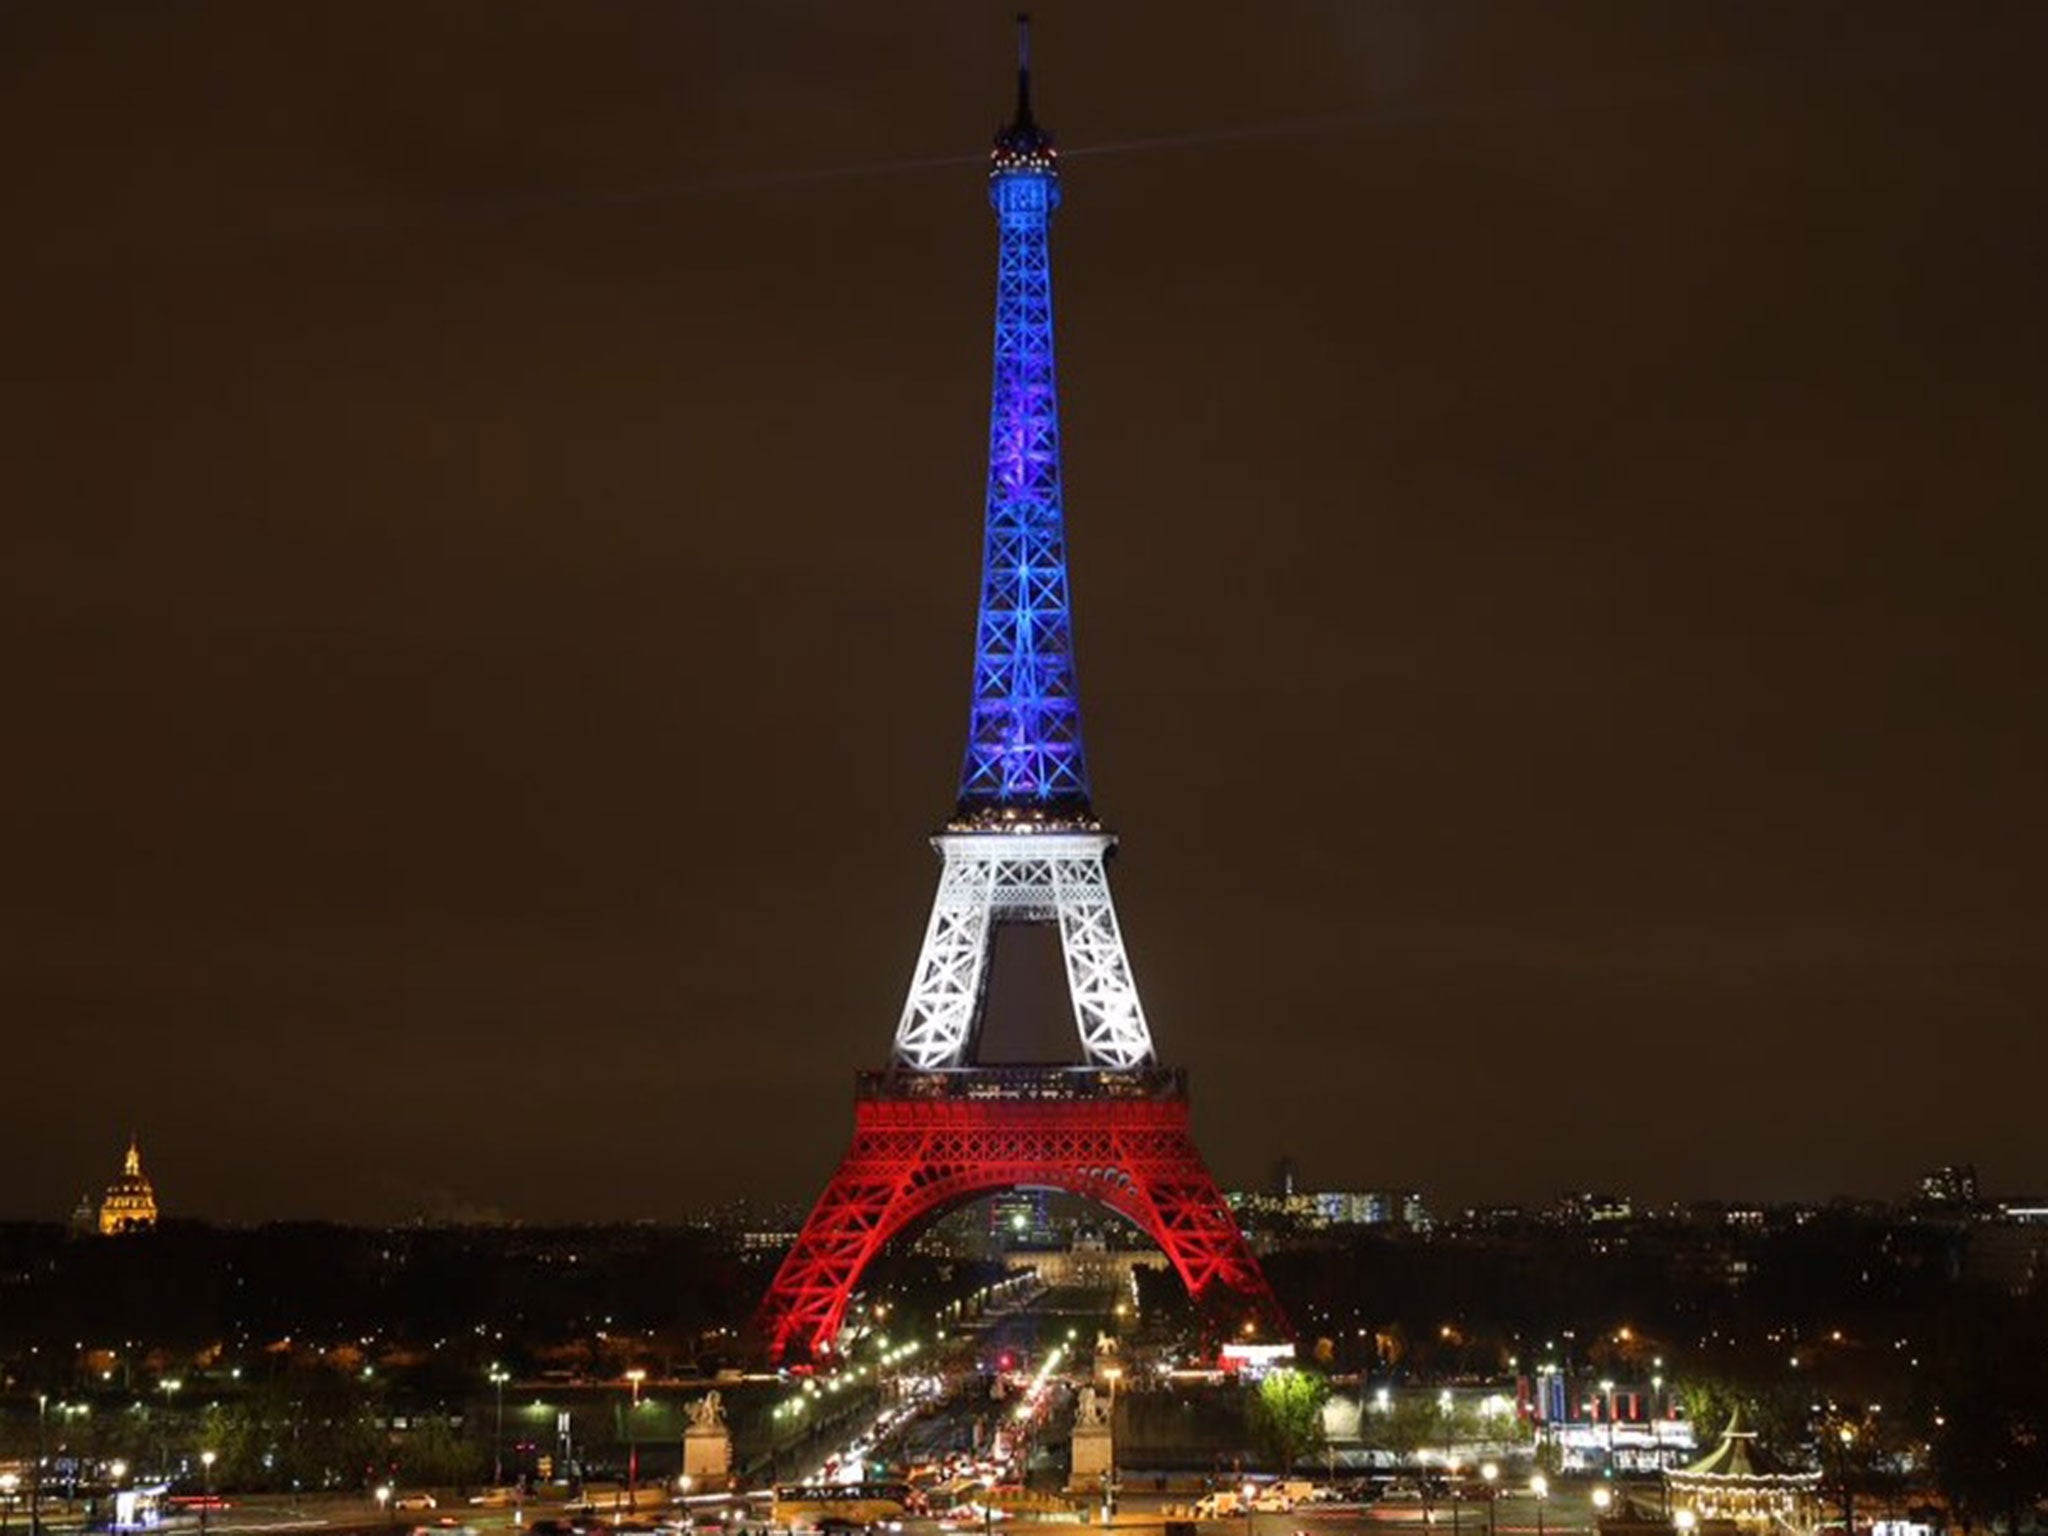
{"points": [[129, 1204]]}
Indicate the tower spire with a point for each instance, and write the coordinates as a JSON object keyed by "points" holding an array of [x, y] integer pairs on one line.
{"points": [[1025, 763]]}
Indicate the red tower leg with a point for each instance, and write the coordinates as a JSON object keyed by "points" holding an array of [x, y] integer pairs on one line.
{"points": [[914, 1157]]}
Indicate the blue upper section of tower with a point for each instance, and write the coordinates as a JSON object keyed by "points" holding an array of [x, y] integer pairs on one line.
{"points": [[1025, 764]]}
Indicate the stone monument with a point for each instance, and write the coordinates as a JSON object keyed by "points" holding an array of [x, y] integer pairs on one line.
{"points": [[707, 1447], [1094, 1444]]}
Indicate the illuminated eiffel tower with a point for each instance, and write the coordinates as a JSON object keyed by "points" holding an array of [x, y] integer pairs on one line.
{"points": [[936, 1130]]}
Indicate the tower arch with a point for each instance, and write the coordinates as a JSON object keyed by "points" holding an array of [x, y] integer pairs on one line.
{"points": [[924, 1145]]}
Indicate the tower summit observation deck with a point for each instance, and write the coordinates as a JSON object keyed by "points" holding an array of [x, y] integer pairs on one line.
{"points": [[938, 1129]]}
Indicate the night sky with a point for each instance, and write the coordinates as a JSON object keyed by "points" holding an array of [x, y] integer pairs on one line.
{"points": [[493, 511]]}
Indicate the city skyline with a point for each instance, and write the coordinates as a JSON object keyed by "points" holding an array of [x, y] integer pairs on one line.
{"points": [[1549, 501]]}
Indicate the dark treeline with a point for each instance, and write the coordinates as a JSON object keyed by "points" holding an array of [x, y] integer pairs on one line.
{"points": [[518, 1294]]}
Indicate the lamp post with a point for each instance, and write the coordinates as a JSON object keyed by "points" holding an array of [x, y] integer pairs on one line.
{"points": [[1603, 1500], [1607, 1391], [384, 1502], [1539, 1485], [1451, 1468], [170, 1386], [8, 1483], [498, 1380], [1489, 1471], [1847, 1436], [35, 1473], [206, 1459], [633, 1379]]}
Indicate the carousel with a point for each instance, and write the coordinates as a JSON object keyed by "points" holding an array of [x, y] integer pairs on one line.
{"points": [[1737, 1484]]}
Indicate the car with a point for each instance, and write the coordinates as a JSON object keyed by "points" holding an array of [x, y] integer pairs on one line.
{"points": [[494, 1498], [415, 1501]]}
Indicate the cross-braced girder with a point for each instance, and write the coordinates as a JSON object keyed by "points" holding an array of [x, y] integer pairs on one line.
{"points": [[913, 1159], [991, 878]]}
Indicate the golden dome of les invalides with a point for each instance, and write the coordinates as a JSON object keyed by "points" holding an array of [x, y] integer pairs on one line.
{"points": [[129, 1204]]}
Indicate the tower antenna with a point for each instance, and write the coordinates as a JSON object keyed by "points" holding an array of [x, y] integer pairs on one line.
{"points": [[1023, 67]]}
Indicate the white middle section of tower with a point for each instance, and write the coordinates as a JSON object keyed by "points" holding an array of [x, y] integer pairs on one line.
{"points": [[1031, 877]]}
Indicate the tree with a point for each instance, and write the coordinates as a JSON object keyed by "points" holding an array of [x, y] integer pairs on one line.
{"points": [[1287, 1416], [1991, 1452], [436, 1454], [1406, 1426]]}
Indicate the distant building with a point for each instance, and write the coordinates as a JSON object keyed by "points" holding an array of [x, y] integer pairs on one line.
{"points": [[129, 1204], [1584, 1208], [1955, 1184], [1321, 1210], [1020, 1218]]}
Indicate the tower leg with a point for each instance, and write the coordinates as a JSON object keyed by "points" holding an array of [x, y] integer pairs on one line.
{"points": [[1099, 980], [945, 992]]}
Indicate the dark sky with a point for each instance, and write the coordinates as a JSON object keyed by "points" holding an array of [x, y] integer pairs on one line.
{"points": [[492, 516]]}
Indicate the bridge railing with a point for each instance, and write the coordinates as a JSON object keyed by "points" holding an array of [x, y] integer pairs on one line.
{"points": [[1022, 1083]]}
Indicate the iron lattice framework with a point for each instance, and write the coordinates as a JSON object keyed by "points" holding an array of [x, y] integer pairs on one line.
{"points": [[1024, 846]]}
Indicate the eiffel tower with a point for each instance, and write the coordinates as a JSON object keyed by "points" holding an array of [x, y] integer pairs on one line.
{"points": [[936, 1129]]}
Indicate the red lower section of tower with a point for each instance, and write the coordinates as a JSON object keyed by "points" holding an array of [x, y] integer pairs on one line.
{"points": [[927, 1143]]}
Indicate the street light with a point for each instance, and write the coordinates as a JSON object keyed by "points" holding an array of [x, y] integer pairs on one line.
{"points": [[633, 1378], [1490, 1471], [1539, 1485], [1603, 1500], [206, 1459], [35, 1473], [8, 1483], [1847, 1435], [1607, 1391], [498, 1379]]}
